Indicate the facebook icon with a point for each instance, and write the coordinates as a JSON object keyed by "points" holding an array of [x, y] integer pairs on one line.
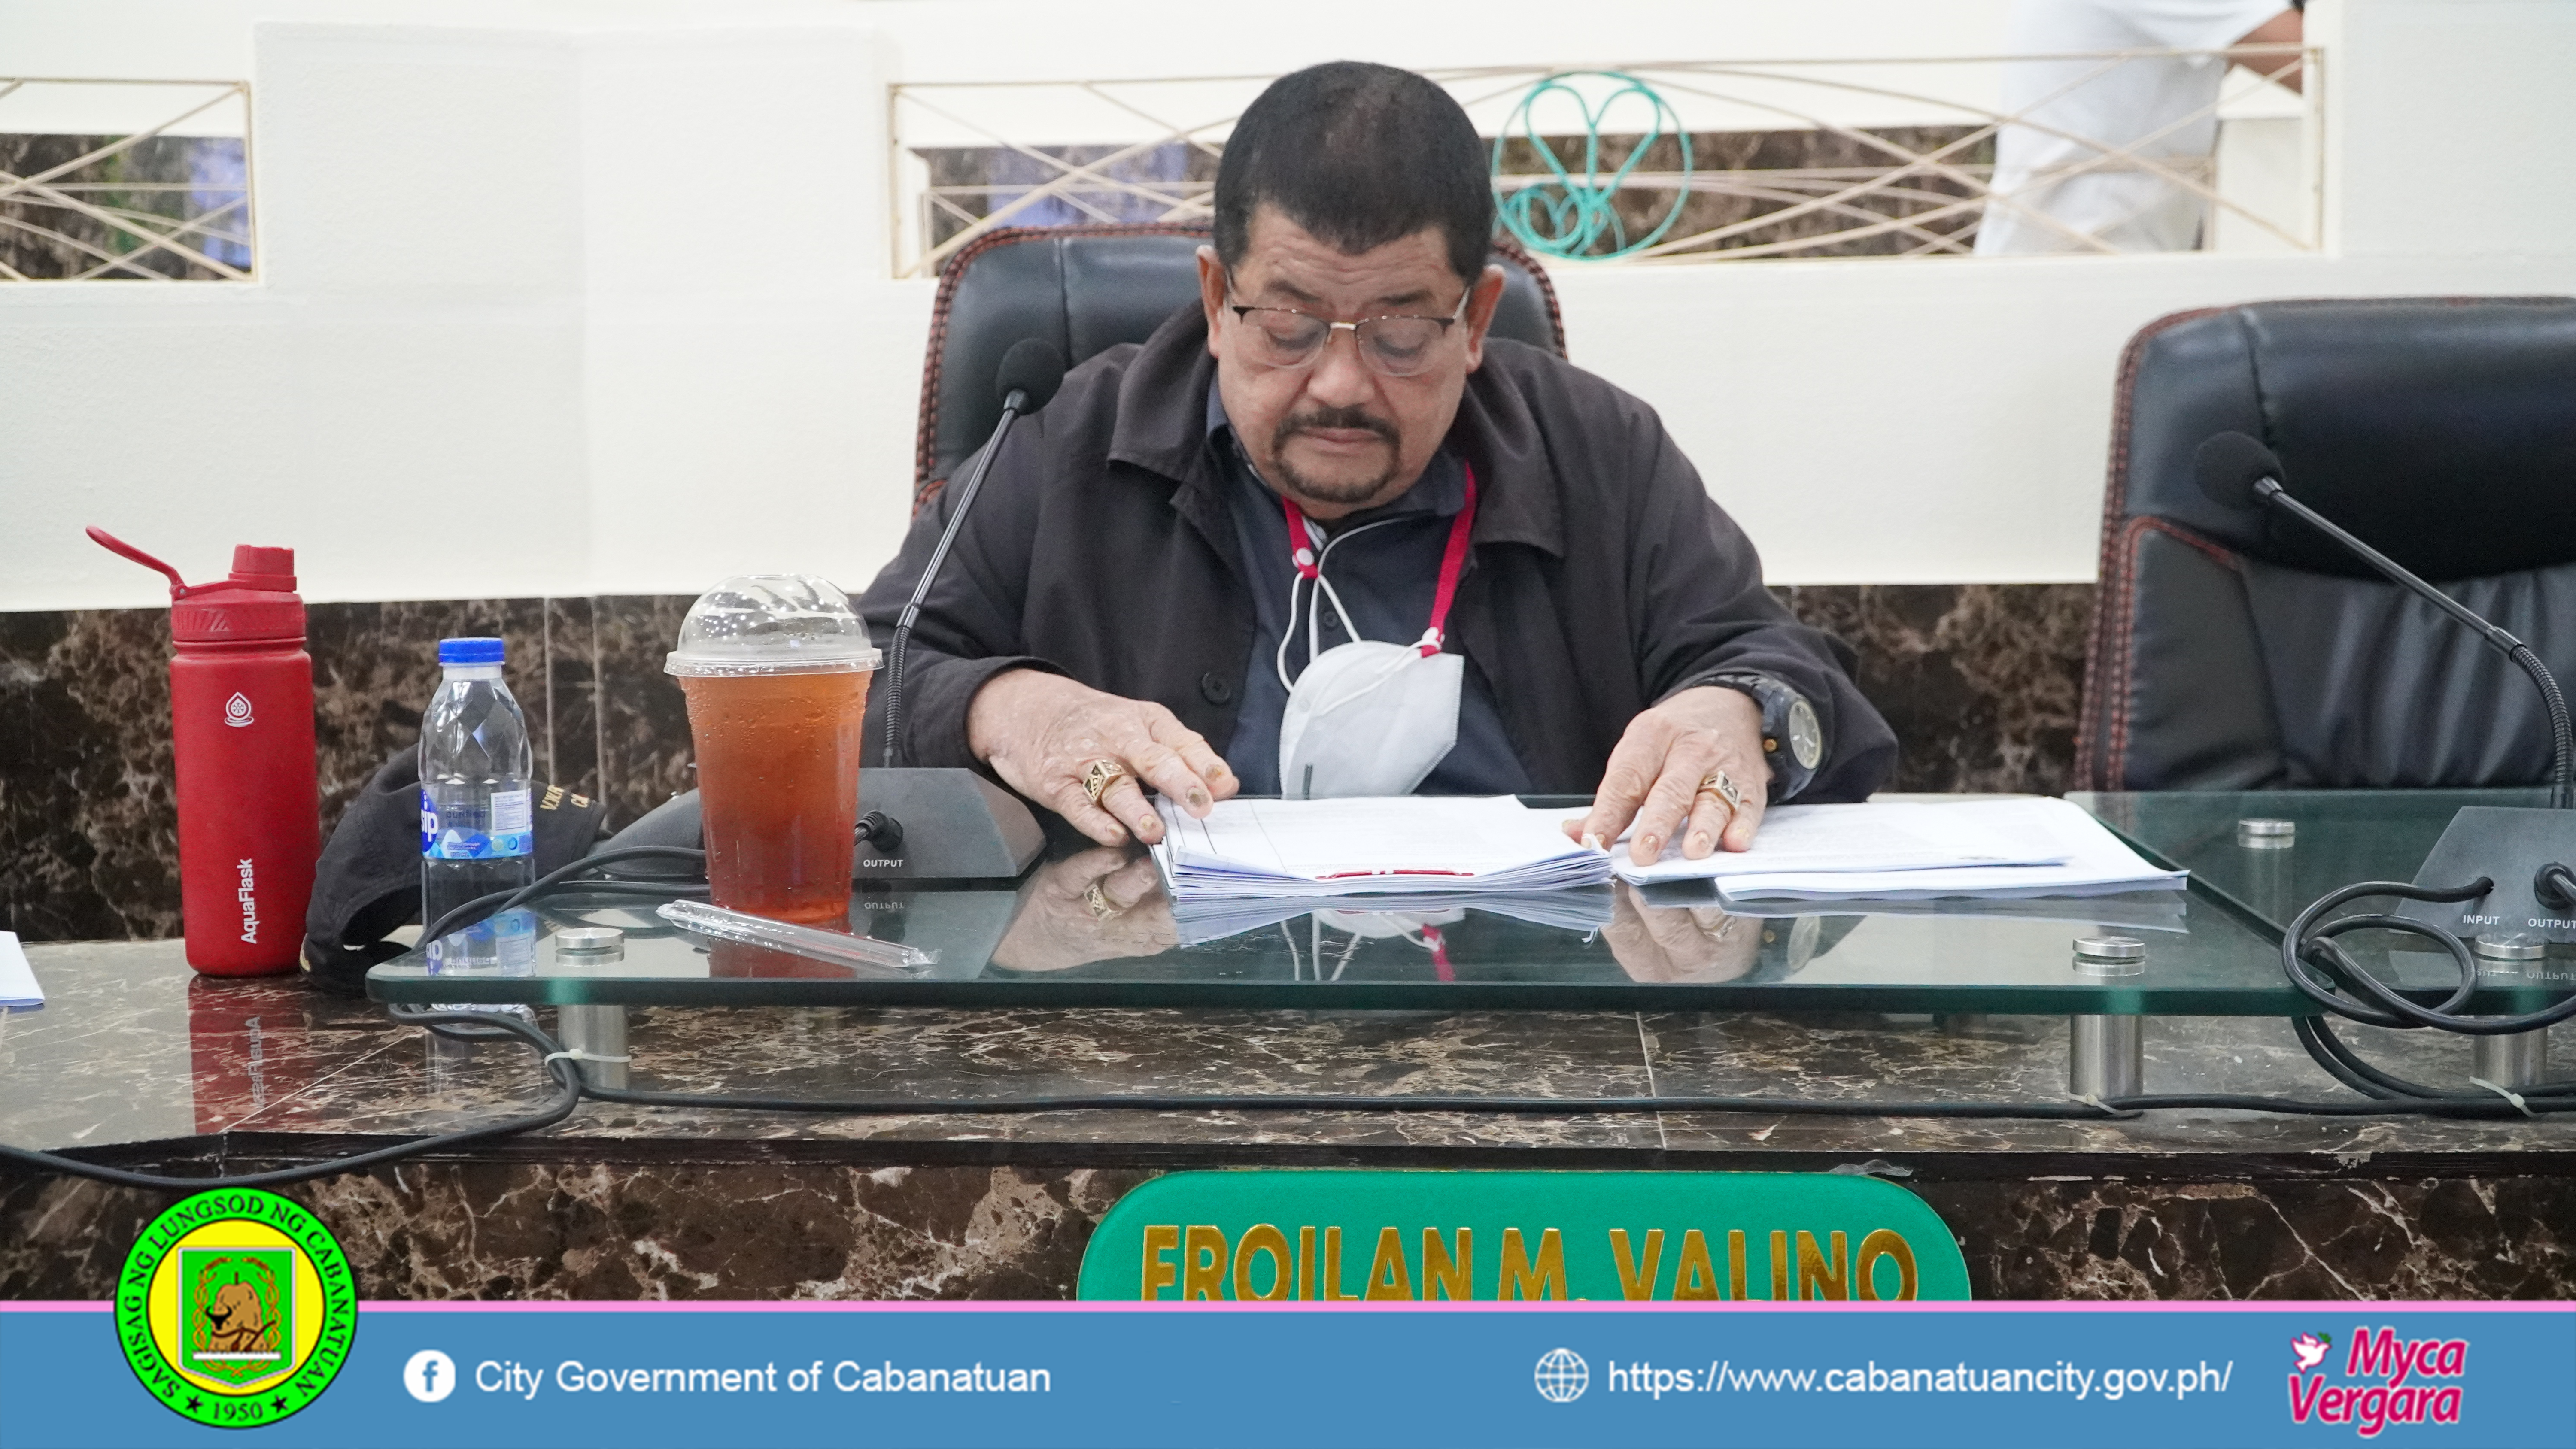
{"points": [[431, 1376]]}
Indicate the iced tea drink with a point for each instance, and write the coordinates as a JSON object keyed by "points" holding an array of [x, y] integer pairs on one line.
{"points": [[775, 668], [778, 788]]}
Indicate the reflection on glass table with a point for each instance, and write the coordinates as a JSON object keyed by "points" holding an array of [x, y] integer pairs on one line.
{"points": [[1094, 927], [2269, 854], [2336, 837]]}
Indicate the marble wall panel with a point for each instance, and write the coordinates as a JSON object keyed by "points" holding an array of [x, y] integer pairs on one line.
{"points": [[88, 826], [375, 667], [89, 830], [569, 755], [769, 1230], [600, 1232], [644, 754], [1980, 681], [2373, 1238]]}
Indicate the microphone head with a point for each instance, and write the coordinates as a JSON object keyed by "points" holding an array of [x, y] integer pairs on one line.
{"points": [[2229, 465], [1032, 366]]}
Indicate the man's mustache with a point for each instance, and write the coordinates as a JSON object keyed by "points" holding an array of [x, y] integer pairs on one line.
{"points": [[1351, 418]]}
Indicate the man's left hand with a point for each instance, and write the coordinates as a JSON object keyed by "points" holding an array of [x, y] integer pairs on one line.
{"points": [[1654, 776]]}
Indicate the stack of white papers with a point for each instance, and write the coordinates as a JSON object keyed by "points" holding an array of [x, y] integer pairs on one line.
{"points": [[1407, 845], [1875, 839], [1312, 852], [2065, 852]]}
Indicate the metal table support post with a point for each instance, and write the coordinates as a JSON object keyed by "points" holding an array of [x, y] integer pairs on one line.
{"points": [[2514, 1061], [2106, 1056], [595, 1032]]}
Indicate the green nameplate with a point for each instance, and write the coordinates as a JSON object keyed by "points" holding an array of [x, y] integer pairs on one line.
{"points": [[1334, 1236]]}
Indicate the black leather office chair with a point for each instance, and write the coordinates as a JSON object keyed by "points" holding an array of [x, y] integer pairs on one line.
{"points": [[1087, 289], [2241, 650]]}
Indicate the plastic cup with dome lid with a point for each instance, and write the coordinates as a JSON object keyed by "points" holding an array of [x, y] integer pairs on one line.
{"points": [[775, 668]]}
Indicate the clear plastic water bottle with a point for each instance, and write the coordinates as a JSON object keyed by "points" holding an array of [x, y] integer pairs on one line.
{"points": [[477, 834]]}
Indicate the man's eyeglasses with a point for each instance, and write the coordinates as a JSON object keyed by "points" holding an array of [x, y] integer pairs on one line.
{"points": [[1399, 346]]}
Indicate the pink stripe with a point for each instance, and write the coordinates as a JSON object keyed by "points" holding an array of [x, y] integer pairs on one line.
{"points": [[2303, 1306]]}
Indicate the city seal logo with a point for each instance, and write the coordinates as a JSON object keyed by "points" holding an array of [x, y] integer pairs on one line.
{"points": [[236, 1308]]}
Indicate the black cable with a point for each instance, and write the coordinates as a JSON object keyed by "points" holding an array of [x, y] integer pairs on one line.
{"points": [[2489, 1107], [498, 901], [566, 1099], [2338, 1057], [2105, 1109], [2552, 1098], [1333, 1102], [2307, 943], [2342, 1064]]}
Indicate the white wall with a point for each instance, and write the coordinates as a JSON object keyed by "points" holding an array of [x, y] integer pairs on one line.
{"points": [[612, 275]]}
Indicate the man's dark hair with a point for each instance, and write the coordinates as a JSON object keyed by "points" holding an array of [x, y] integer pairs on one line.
{"points": [[1360, 155]]}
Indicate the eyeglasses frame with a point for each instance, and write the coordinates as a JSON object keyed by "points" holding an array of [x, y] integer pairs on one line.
{"points": [[1242, 313]]}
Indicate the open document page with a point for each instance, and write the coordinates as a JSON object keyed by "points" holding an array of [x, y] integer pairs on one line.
{"points": [[2083, 858], [1392, 846], [1874, 839]]}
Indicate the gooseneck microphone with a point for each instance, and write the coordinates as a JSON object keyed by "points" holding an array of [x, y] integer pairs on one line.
{"points": [[1031, 372], [2239, 473], [2519, 887]]}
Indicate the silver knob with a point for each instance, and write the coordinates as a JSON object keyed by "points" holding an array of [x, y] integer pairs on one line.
{"points": [[2510, 947], [589, 945], [2110, 956], [2267, 834]]}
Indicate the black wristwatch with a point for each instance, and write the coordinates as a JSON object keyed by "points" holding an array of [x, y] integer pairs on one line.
{"points": [[1792, 738]]}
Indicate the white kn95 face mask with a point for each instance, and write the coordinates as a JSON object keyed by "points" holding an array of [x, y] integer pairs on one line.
{"points": [[1367, 717]]}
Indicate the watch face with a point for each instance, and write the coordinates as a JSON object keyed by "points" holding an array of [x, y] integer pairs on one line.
{"points": [[1806, 737]]}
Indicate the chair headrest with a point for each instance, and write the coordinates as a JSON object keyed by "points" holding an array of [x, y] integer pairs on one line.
{"points": [[1088, 289], [2441, 431]]}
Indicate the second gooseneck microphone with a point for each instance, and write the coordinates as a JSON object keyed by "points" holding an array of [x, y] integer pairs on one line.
{"points": [[1031, 372], [2238, 472]]}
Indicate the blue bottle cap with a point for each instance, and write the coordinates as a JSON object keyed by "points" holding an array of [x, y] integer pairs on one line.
{"points": [[469, 651]]}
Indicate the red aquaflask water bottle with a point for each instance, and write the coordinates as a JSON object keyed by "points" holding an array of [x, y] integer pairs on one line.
{"points": [[241, 726]]}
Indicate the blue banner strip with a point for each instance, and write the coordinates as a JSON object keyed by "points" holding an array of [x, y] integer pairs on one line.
{"points": [[1469, 1374]]}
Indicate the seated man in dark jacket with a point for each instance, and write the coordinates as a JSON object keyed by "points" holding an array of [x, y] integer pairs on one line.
{"points": [[1330, 447]]}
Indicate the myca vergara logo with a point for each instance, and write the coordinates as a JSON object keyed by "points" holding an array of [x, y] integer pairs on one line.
{"points": [[236, 1308], [2386, 1380]]}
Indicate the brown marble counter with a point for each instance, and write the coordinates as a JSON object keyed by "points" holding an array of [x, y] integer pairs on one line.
{"points": [[135, 1061]]}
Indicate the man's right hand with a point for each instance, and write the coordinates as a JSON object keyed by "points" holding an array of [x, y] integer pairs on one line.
{"points": [[1040, 732]]}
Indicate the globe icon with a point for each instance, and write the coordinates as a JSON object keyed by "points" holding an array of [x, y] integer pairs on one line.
{"points": [[1562, 1375]]}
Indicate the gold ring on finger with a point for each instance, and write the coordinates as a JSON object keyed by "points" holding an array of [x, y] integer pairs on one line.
{"points": [[1726, 790], [1098, 901], [1099, 775]]}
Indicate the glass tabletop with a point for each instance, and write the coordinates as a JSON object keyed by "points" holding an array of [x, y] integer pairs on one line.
{"points": [[1092, 927], [2340, 837]]}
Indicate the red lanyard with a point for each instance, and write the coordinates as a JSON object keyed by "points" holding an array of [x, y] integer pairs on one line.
{"points": [[1453, 559]]}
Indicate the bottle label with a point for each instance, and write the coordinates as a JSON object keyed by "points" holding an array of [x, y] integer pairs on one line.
{"points": [[510, 830]]}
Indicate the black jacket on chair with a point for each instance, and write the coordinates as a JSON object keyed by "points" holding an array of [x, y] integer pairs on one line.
{"points": [[1602, 576], [2243, 650]]}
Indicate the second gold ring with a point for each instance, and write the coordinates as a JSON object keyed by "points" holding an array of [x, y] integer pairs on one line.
{"points": [[1099, 775], [1724, 789]]}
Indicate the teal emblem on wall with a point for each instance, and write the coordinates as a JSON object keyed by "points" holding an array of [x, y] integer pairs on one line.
{"points": [[1571, 212]]}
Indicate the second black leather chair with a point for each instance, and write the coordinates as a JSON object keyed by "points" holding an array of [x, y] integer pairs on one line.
{"points": [[2240, 650]]}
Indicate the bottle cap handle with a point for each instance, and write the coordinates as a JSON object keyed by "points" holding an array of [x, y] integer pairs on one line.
{"points": [[115, 545]]}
